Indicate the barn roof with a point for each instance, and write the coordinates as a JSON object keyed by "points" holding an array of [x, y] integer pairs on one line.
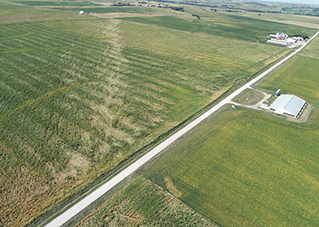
{"points": [[288, 104]]}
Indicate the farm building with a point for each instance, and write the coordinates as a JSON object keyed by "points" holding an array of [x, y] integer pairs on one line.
{"points": [[281, 39], [279, 36], [288, 104], [281, 42]]}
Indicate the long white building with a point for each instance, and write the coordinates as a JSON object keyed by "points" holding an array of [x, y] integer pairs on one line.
{"points": [[288, 104], [280, 42]]}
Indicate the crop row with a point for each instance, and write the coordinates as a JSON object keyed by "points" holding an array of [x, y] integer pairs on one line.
{"points": [[141, 203], [76, 104]]}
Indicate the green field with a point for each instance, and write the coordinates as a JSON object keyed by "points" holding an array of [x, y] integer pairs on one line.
{"points": [[298, 76], [253, 7], [249, 97], [114, 9], [306, 21], [81, 94], [225, 25], [312, 50], [143, 204], [58, 3], [244, 168]]}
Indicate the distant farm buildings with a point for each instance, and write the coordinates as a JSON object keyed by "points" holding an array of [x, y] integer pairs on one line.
{"points": [[279, 36], [282, 39], [290, 105], [81, 12], [280, 42]]}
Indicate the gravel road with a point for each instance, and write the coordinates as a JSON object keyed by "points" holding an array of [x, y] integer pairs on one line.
{"points": [[74, 210]]}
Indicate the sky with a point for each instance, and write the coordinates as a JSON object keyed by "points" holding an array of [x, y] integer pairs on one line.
{"points": [[296, 1]]}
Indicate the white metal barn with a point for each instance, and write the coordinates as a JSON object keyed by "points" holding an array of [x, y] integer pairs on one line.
{"points": [[280, 42], [288, 104]]}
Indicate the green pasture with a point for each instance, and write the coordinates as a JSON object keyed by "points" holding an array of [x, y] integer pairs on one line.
{"points": [[225, 25], [142, 204], [244, 168]]}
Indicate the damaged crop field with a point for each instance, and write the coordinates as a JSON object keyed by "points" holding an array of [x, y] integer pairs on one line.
{"points": [[81, 94]]}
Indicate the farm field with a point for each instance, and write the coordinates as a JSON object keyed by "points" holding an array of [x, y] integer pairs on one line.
{"points": [[300, 75], [306, 21], [244, 168], [81, 94], [58, 3], [225, 25], [13, 13], [142, 204], [115, 9], [312, 50], [235, 7]]}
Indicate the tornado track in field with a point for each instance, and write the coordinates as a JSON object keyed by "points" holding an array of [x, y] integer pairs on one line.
{"points": [[77, 208]]}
